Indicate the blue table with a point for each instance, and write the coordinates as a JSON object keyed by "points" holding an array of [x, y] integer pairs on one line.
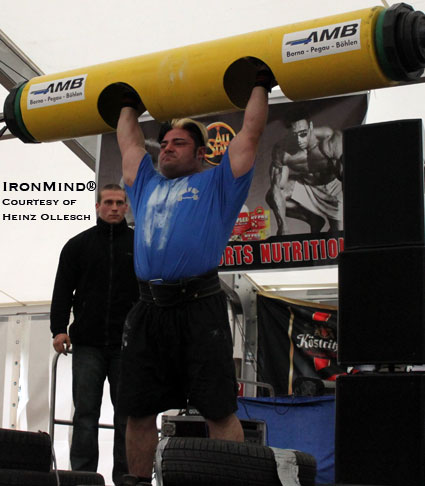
{"points": [[306, 424]]}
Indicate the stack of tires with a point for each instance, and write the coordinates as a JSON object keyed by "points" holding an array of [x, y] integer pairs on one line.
{"points": [[185, 461], [26, 458]]}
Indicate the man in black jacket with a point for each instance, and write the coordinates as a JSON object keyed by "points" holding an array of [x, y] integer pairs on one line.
{"points": [[95, 278]]}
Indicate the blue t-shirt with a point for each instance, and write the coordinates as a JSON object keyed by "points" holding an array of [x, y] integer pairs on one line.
{"points": [[183, 225]]}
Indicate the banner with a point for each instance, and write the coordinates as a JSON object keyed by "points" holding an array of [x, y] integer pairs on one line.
{"points": [[295, 339], [293, 214]]}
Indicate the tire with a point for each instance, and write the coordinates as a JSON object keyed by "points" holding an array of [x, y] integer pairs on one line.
{"points": [[307, 468], [295, 467], [77, 478], [212, 462], [25, 450], [15, 477]]}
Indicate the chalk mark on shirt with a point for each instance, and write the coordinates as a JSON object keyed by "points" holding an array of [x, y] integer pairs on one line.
{"points": [[160, 209]]}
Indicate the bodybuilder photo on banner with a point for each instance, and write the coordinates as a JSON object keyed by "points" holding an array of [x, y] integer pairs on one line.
{"points": [[293, 214]]}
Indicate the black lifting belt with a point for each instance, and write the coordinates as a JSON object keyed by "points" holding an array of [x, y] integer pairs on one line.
{"points": [[165, 294]]}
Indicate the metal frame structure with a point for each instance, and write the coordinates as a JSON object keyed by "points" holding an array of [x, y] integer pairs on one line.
{"points": [[16, 67], [52, 420]]}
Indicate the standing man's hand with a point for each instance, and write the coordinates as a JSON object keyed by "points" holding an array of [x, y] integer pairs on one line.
{"points": [[62, 343]]}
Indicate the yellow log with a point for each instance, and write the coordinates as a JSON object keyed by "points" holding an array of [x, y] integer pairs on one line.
{"points": [[324, 57]]}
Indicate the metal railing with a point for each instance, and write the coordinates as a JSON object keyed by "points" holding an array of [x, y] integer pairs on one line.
{"points": [[54, 421], [258, 384]]}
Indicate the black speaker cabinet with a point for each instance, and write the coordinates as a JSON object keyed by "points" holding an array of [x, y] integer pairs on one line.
{"points": [[383, 184], [380, 429], [381, 314]]}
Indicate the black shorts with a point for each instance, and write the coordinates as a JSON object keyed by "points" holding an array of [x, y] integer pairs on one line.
{"points": [[179, 354]]}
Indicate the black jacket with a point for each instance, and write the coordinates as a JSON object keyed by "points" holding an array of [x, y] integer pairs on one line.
{"points": [[95, 278]]}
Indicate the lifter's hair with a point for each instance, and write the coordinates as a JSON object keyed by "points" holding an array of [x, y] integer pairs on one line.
{"points": [[197, 131]]}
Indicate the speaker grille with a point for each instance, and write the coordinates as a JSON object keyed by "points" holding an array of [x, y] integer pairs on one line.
{"points": [[383, 184], [380, 427], [381, 315]]}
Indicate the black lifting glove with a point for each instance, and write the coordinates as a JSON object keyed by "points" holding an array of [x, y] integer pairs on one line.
{"points": [[265, 78], [131, 100]]}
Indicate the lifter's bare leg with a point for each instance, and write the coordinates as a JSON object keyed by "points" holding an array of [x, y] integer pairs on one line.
{"points": [[141, 442]]}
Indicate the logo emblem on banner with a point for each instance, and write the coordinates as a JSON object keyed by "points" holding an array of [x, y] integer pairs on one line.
{"points": [[220, 134]]}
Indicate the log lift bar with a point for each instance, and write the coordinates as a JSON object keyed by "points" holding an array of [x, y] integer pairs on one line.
{"points": [[347, 53]]}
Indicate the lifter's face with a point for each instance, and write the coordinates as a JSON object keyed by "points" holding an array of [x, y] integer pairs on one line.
{"points": [[178, 156], [112, 206], [302, 131]]}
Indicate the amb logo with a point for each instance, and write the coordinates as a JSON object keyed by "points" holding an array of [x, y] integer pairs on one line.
{"points": [[60, 86], [326, 34], [219, 136]]}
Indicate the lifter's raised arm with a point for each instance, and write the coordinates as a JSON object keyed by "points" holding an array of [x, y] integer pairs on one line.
{"points": [[131, 142], [243, 147]]}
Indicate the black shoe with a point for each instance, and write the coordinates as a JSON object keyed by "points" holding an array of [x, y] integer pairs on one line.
{"points": [[131, 480]]}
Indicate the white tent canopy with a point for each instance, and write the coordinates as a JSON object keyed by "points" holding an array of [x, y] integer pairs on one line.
{"points": [[58, 36]]}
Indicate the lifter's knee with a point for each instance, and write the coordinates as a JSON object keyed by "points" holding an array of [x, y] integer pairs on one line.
{"points": [[141, 425], [228, 428]]}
